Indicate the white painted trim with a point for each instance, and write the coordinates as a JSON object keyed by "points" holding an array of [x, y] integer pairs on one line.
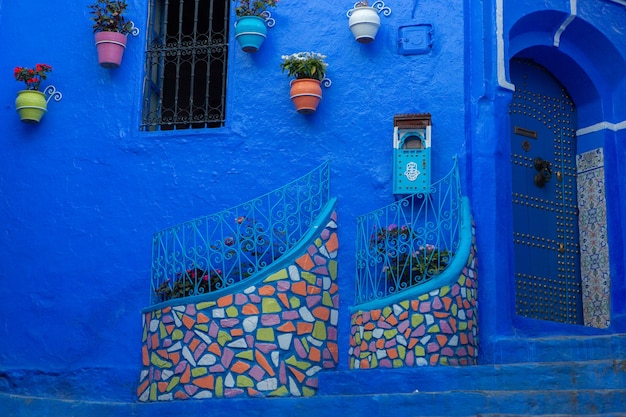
{"points": [[622, 2], [601, 126], [573, 6], [502, 82], [560, 30]]}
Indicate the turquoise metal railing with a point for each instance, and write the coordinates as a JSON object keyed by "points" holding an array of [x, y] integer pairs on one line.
{"points": [[407, 243], [212, 252]]}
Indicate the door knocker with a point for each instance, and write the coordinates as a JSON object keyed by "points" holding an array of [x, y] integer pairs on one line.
{"points": [[545, 172]]}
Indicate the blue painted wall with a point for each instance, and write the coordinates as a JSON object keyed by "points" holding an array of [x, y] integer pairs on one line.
{"points": [[82, 193], [589, 60]]}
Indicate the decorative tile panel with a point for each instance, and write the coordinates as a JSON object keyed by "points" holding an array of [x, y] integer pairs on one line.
{"points": [[594, 249]]}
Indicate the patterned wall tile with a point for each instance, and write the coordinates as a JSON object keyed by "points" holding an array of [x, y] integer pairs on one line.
{"points": [[594, 251], [438, 328], [271, 339]]}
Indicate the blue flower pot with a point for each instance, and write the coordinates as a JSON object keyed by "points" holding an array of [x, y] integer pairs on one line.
{"points": [[250, 32]]}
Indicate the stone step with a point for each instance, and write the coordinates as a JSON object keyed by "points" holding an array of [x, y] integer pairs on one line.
{"points": [[593, 385], [551, 415], [602, 374], [449, 403], [526, 402], [558, 349]]}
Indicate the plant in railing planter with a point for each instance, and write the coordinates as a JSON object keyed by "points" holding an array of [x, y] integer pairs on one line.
{"points": [[363, 20], [243, 253], [111, 31], [192, 281], [404, 262], [309, 70], [31, 104], [252, 16]]}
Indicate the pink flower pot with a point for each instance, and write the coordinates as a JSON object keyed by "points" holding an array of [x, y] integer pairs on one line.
{"points": [[110, 47]]}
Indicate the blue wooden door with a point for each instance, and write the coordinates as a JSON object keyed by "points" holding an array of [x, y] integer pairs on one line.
{"points": [[545, 213]]}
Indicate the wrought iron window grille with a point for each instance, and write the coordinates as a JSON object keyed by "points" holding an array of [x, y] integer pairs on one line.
{"points": [[185, 65], [408, 242], [213, 252]]}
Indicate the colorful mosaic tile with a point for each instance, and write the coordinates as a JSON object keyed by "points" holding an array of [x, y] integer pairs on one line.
{"points": [[271, 339], [438, 328], [593, 238]]}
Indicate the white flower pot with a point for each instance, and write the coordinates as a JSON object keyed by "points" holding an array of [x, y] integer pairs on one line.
{"points": [[364, 23]]}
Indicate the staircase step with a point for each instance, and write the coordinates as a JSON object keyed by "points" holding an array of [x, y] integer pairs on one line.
{"points": [[592, 385], [527, 402], [449, 403], [559, 349], [551, 415], [605, 374]]}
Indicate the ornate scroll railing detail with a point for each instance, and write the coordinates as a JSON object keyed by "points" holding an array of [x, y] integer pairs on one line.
{"points": [[213, 252], [409, 242], [378, 5], [269, 20], [53, 93]]}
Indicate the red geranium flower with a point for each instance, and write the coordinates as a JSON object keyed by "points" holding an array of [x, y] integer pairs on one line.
{"points": [[32, 77]]}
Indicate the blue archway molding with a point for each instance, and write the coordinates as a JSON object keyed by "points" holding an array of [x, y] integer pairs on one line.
{"points": [[591, 65]]}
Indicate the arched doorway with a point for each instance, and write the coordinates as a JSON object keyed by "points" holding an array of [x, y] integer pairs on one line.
{"points": [[544, 201]]}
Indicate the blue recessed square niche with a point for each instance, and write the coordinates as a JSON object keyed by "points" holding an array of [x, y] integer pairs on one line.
{"points": [[415, 39]]}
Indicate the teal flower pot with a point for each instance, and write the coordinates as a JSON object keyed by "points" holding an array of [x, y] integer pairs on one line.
{"points": [[250, 32]]}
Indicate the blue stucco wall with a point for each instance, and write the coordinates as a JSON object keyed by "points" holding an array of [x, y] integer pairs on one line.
{"points": [[82, 192], [588, 61]]}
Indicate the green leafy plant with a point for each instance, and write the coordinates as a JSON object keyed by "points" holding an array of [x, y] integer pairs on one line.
{"points": [[305, 65], [32, 76], [246, 251], [406, 263], [108, 16], [253, 7], [192, 281]]}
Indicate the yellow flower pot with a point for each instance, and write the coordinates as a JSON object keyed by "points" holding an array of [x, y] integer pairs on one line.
{"points": [[31, 105]]}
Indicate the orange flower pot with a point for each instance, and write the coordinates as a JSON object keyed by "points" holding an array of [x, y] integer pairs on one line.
{"points": [[306, 94]]}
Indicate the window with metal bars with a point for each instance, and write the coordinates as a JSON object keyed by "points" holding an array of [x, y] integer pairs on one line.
{"points": [[186, 59]]}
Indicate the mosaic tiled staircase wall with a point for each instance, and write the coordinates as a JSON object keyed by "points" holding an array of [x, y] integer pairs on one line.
{"points": [[439, 327], [270, 336]]}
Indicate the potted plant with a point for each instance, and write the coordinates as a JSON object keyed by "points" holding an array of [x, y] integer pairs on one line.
{"points": [[309, 70], [111, 31], [31, 104], [249, 249], [407, 261], [252, 15], [364, 20]]}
